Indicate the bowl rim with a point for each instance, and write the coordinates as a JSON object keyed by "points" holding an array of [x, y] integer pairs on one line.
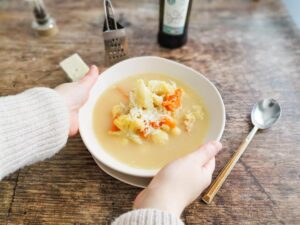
{"points": [[138, 171]]}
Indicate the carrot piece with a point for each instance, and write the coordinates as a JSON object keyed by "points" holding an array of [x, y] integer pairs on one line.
{"points": [[113, 126], [167, 121], [171, 102], [154, 125], [142, 133]]}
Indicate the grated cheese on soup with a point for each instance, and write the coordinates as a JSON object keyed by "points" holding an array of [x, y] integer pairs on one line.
{"points": [[150, 114]]}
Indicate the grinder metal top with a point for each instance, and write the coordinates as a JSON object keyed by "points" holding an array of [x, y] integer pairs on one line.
{"points": [[115, 40]]}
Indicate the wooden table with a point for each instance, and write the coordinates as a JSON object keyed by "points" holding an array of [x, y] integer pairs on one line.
{"points": [[250, 50]]}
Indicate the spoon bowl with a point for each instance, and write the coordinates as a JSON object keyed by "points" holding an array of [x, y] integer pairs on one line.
{"points": [[265, 113]]}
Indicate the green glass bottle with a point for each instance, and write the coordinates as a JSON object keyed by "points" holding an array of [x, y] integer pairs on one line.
{"points": [[173, 22]]}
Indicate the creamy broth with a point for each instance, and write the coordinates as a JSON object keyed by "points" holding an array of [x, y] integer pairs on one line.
{"points": [[148, 155]]}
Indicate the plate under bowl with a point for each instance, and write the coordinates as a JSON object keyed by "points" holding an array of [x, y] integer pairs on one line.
{"points": [[141, 182]]}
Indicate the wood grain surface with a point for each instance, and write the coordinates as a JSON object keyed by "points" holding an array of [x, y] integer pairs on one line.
{"points": [[249, 49]]}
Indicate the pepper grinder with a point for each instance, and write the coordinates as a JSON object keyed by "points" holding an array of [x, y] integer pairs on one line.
{"points": [[43, 25]]}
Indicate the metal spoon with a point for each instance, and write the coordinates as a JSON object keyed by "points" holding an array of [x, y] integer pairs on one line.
{"points": [[263, 115]]}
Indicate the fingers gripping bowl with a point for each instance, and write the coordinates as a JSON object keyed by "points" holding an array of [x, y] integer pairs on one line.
{"points": [[96, 116]]}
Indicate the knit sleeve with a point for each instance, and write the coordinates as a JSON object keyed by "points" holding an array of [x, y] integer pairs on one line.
{"points": [[147, 217], [34, 126]]}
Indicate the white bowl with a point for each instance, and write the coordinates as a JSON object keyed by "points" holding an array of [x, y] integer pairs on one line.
{"points": [[139, 65]]}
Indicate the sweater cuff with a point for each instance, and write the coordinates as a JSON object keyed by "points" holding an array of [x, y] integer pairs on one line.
{"points": [[147, 217], [34, 126]]}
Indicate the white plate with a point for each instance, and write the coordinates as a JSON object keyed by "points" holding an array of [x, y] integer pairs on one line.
{"points": [[141, 182]]}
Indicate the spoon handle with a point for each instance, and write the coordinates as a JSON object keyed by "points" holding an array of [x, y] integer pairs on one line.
{"points": [[216, 185]]}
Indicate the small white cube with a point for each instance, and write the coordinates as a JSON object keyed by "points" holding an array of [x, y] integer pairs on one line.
{"points": [[74, 67]]}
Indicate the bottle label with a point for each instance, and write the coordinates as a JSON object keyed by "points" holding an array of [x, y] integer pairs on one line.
{"points": [[175, 16]]}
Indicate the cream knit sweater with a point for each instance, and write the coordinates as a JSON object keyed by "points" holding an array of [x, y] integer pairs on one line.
{"points": [[34, 126]]}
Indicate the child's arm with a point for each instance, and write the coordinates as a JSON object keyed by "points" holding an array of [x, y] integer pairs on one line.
{"points": [[35, 124], [148, 217], [174, 188]]}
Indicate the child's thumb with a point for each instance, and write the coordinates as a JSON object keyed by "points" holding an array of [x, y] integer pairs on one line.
{"points": [[90, 78], [207, 152]]}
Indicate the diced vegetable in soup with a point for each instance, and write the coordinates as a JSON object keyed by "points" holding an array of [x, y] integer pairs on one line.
{"points": [[149, 120]]}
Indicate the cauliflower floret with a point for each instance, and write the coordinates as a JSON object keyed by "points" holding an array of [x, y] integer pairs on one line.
{"points": [[159, 137], [161, 87], [118, 110], [190, 117], [189, 121], [176, 131], [126, 137], [141, 96], [135, 138], [128, 123], [157, 100]]}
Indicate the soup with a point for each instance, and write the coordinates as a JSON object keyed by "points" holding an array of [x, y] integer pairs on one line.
{"points": [[181, 128]]}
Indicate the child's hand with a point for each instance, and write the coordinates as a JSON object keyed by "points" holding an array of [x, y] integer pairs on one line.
{"points": [[75, 95], [180, 182]]}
